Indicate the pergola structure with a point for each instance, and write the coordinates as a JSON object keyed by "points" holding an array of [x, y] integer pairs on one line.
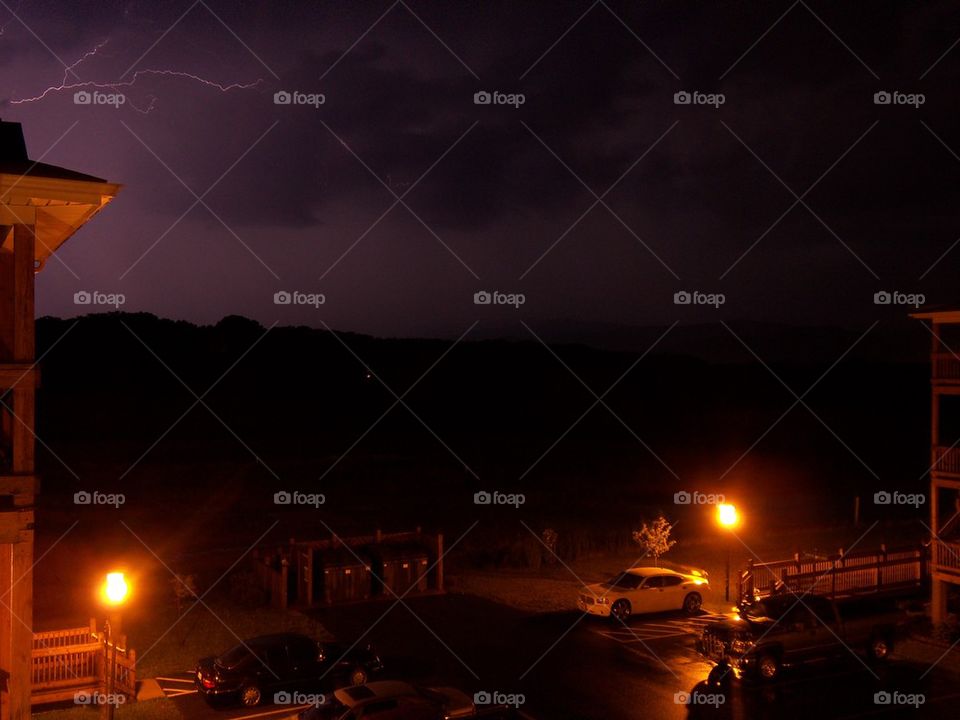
{"points": [[40, 207]]}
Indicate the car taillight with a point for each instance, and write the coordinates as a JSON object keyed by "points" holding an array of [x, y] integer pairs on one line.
{"points": [[208, 682]]}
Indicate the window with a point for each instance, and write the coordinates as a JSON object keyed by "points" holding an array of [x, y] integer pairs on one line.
{"points": [[626, 581], [654, 582], [302, 651], [672, 581], [233, 657]]}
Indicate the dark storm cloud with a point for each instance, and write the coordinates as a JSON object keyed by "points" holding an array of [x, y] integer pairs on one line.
{"points": [[799, 94]]}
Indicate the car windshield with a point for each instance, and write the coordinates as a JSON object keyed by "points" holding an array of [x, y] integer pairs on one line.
{"points": [[233, 657], [628, 581], [771, 608]]}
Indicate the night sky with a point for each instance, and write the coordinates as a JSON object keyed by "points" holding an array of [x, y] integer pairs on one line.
{"points": [[399, 197]]}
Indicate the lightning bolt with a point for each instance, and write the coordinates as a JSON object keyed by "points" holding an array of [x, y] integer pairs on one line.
{"points": [[66, 85]]}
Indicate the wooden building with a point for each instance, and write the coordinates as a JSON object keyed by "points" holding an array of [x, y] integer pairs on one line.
{"points": [[944, 454], [40, 207]]}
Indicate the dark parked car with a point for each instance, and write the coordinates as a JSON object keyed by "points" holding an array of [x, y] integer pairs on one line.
{"points": [[393, 700], [779, 631], [264, 665]]}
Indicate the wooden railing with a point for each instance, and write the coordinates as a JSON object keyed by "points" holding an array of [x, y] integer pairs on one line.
{"points": [[71, 661], [841, 575], [946, 460], [946, 557], [945, 367]]}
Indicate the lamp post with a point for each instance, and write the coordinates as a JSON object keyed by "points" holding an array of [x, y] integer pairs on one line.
{"points": [[728, 519], [113, 593]]}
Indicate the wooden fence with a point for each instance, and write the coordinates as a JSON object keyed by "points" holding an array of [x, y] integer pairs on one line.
{"points": [[289, 573], [843, 575], [71, 661]]}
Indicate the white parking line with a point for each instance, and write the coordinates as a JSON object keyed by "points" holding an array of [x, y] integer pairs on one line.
{"points": [[180, 680]]}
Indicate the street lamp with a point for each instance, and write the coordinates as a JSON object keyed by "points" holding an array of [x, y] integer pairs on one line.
{"points": [[728, 519], [113, 593]]}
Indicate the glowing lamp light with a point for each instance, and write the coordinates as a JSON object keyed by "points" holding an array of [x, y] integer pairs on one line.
{"points": [[114, 589], [727, 515]]}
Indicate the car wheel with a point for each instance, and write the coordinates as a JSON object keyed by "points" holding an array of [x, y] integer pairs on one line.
{"points": [[692, 603], [880, 647], [768, 667], [358, 676], [620, 610], [250, 695]]}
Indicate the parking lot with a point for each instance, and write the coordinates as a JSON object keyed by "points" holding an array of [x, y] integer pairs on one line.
{"points": [[570, 667]]}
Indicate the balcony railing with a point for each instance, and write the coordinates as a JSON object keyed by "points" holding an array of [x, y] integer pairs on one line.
{"points": [[947, 460], [946, 556], [945, 368]]}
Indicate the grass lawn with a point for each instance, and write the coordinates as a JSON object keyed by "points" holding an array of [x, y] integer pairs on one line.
{"points": [[166, 644]]}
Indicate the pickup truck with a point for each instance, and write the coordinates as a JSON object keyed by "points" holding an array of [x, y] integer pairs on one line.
{"points": [[778, 631]]}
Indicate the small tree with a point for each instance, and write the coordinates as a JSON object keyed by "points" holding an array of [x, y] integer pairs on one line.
{"points": [[184, 590], [654, 538], [550, 540]]}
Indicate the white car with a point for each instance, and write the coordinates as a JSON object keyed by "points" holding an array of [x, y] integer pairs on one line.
{"points": [[645, 590]]}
